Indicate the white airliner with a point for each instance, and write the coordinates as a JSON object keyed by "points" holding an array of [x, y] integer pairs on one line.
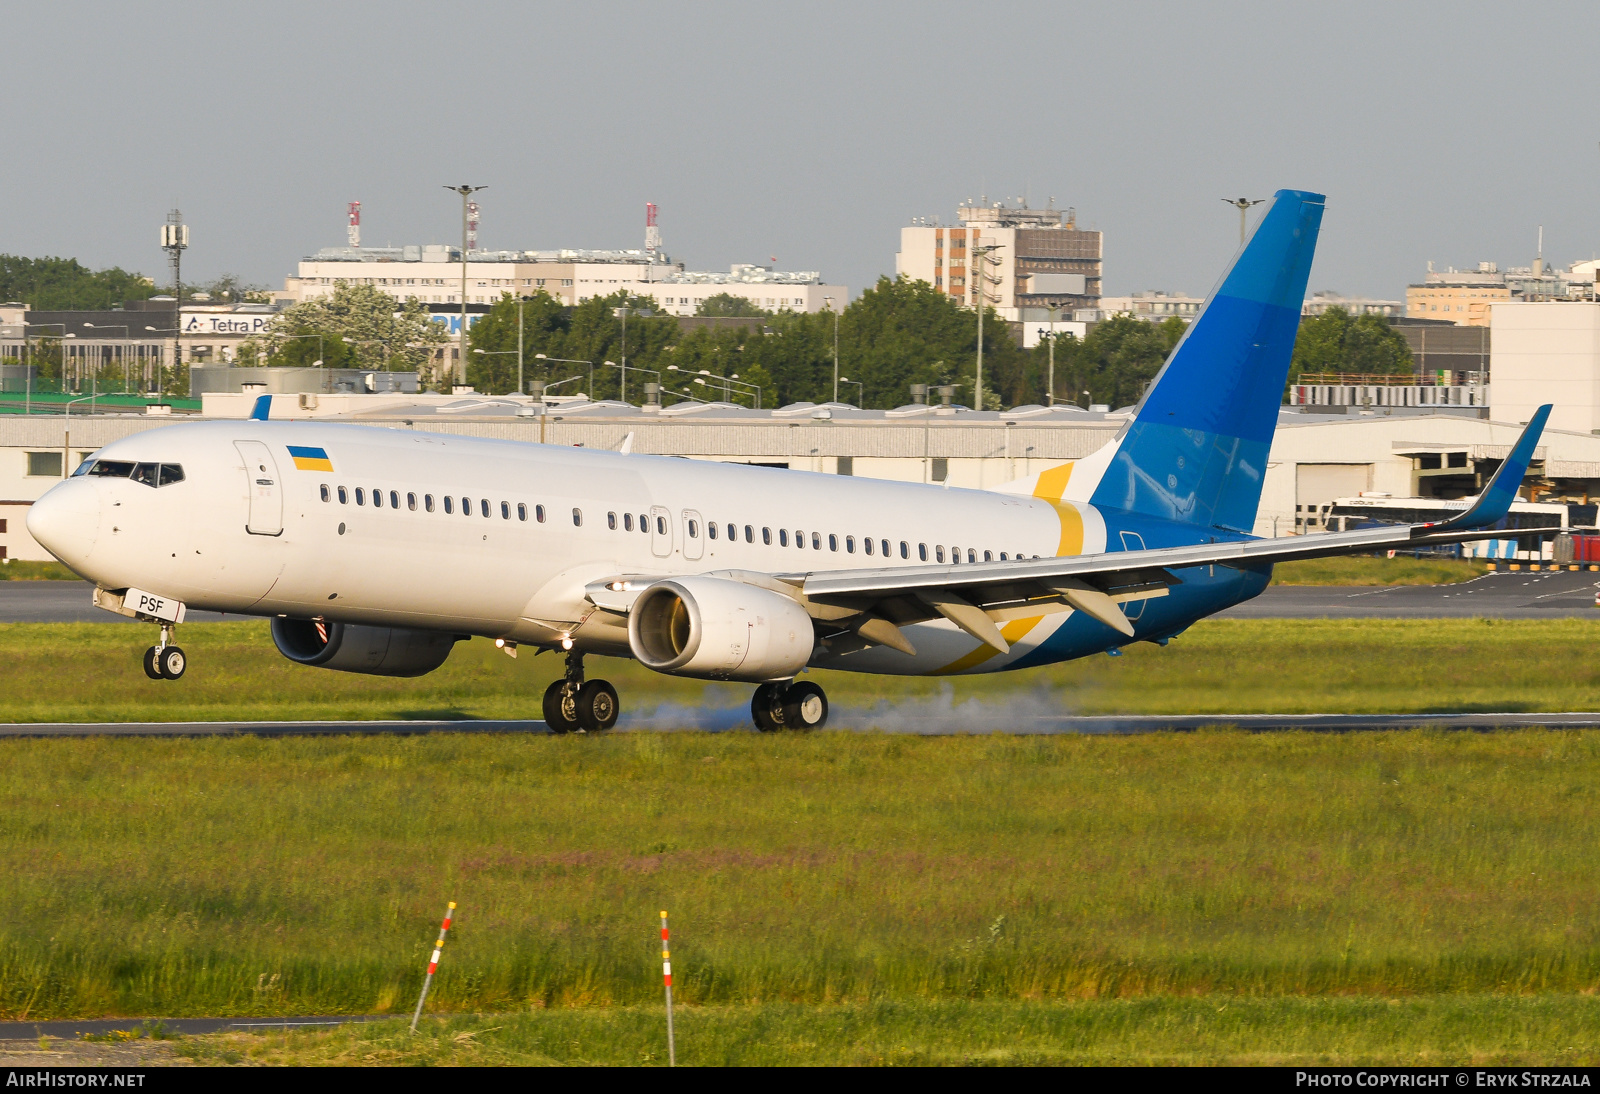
{"points": [[375, 550]]}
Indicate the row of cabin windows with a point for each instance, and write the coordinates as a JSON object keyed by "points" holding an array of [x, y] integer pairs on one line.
{"points": [[728, 531], [448, 503]]}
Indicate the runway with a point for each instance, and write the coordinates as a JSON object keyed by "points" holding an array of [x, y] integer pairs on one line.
{"points": [[725, 719], [1563, 594]]}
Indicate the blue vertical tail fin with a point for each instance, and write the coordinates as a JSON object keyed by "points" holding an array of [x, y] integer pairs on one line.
{"points": [[1196, 450]]}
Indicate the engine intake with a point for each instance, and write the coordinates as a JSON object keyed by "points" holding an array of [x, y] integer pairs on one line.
{"points": [[719, 630], [348, 647]]}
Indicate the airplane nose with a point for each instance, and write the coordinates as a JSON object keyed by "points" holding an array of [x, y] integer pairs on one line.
{"points": [[66, 521]]}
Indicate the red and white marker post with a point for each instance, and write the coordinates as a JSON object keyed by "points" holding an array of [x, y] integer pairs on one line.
{"points": [[666, 977], [433, 963]]}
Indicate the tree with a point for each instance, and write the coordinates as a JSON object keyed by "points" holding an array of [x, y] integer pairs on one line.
{"points": [[1116, 362], [62, 284], [360, 327], [726, 305], [1336, 341]]}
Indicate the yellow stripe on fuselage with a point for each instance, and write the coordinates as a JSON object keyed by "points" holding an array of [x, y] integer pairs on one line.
{"points": [[311, 463]]}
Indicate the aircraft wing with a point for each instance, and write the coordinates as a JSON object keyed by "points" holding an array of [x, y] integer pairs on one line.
{"points": [[854, 609], [976, 595]]}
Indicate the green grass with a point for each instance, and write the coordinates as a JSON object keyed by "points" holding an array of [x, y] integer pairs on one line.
{"points": [[307, 875], [1369, 570], [17, 569], [91, 672], [1437, 1030]]}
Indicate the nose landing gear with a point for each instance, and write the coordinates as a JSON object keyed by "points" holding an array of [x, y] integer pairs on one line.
{"points": [[571, 703], [801, 705], [164, 661]]}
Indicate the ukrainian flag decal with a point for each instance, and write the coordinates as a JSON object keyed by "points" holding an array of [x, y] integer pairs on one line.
{"points": [[310, 459]]}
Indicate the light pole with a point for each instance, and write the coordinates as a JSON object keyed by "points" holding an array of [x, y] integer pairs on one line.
{"points": [[980, 255], [626, 368], [502, 353], [466, 193], [125, 340], [828, 300], [1243, 205], [66, 432], [861, 389], [623, 313], [570, 361], [727, 394], [1050, 381]]}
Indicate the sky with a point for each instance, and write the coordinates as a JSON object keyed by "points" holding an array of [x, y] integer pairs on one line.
{"points": [[805, 133]]}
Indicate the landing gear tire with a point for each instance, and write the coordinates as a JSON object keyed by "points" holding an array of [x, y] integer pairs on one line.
{"points": [[766, 708], [171, 662], [151, 669], [560, 708], [597, 706], [805, 706]]}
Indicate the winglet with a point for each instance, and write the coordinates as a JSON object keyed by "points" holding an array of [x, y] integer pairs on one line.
{"points": [[262, 408], [1495, 501]]}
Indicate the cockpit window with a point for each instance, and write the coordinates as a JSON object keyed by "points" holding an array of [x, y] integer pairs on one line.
{"points": [[83, 468], [112, 469], [150, 474]]}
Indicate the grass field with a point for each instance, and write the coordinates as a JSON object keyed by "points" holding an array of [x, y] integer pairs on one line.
{"points": [[91, 672], [836, 897], [307, 875], [1237, 1030], [1367, 570], [17, 569]]}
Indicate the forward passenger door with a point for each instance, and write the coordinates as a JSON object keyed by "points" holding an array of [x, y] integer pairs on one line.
{"points": [[266, 492]]}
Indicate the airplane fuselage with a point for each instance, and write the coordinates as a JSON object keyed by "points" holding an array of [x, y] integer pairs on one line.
{"points": [[499, 538]]}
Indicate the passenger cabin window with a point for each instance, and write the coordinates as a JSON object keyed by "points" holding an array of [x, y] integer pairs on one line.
{"points": [[905, 549], [749, 534], [538, 513], [766, 536], [988, 556], [377, 499], [483, 506], [644, 524], [611, 521], [816, 541], [833, 542], [577, 518], [661, 526], [411, 502], [344, 496], [327, 495], [885, 549], [711, 529], [783, 537], [466, 507], [939, 553], [394, 500], [505, 510], [866, 543], [694, 529], [522, 510], [850, 545], [922, 552], [427, 502], [627, 522], [449, 504], [972, 555], [1002, 556], [361, 496]]}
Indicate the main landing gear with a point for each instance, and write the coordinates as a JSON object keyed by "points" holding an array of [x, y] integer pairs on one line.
{"points": [[164, 661], [800, 705], [571, 704]]}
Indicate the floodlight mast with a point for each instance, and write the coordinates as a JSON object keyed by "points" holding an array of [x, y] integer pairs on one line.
{"points": [[1243, 205], [466, 193]]}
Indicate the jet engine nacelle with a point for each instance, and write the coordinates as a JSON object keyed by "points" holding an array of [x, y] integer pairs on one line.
{"points": [[347, 647], [719, 630]]}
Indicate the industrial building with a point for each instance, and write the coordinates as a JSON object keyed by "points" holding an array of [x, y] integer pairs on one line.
{"points": [[1030, 264], [434, 273]]}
